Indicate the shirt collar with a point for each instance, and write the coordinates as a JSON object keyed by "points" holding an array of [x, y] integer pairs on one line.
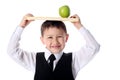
{"points": [[48, 53]]}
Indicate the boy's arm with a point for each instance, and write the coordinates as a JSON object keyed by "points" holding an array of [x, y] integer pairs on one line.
{"points": [[86, 53], [27, 59]]}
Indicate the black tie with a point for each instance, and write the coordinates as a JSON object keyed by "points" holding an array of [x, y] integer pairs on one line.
{"points": [[51, 58]]}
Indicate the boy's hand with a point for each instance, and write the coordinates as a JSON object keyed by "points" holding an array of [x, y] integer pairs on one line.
{"points": [[77, 24], [24, 21]]}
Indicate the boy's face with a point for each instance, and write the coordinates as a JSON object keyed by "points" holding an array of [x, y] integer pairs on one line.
{"points": [[54, 39]]}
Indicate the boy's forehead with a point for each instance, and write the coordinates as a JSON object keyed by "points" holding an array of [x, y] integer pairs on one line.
{"points": [[54, 31], [54, 28]]}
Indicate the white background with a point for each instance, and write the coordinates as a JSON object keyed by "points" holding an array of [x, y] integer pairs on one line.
{"points": [[100, 17]]}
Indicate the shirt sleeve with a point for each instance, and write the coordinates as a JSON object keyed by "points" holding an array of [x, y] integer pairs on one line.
{"points": [[86, 53], [24, 58]]}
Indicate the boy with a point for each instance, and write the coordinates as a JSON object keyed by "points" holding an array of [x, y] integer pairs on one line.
{"points": [[60, 66]]}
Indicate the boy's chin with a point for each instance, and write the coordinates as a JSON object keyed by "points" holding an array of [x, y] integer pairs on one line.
{"points": [[55, 52]]}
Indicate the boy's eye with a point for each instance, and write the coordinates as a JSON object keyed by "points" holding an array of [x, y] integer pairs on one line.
{"points": [[60, 36], [50, 37]]}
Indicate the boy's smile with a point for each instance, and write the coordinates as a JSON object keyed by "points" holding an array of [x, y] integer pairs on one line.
{"points": [[54, 39]]}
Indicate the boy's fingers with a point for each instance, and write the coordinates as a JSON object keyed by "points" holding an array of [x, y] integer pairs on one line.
{"points": [[28, 15], [74, 16]]}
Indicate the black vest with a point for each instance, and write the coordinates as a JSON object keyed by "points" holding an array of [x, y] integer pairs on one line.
{"points": [[62, 71]]}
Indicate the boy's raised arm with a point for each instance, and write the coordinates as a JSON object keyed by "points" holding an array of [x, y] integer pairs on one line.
{"points": [[86, 53], [24, 58]]}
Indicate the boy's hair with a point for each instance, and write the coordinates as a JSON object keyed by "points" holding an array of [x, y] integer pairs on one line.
{"points": [[52, 24]]}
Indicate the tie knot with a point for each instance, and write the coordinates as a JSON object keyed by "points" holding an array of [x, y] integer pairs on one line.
{"points": [[52, 57]]}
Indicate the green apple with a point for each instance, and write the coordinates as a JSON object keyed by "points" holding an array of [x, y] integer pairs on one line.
{"points": [[64, 11]]}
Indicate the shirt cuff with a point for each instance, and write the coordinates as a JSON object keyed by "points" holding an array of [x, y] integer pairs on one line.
{"points": [[19, 30], [82, 30]]}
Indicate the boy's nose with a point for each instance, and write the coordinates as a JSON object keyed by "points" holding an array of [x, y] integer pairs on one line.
{"points": [[55, 40]]}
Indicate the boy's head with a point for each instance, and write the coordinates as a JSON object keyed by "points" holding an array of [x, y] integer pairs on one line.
{"points": [[54, 35]]}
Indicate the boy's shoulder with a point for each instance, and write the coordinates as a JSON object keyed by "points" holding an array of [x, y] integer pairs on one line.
{"points": [[40, 54], [67, 54], [64, 53]]}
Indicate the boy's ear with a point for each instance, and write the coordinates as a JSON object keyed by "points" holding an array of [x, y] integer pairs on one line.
{"points": [[67, 36], [41, 38]]}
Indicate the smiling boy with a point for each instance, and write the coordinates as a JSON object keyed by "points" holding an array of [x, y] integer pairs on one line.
{"points": [[54, 36]]}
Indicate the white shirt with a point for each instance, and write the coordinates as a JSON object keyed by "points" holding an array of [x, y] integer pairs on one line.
{"points": [[79, 58]]}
